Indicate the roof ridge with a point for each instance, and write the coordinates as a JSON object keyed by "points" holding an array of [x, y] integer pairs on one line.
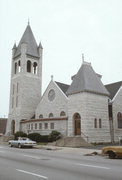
{"points": [[62, 83], [113, 83]]}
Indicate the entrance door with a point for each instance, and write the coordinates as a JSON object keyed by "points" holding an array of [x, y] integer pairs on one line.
{"points": [[77, 127], [77, 124]]}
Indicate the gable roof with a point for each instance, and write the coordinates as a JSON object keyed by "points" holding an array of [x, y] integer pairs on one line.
{"points": [[62, 86], [28, 38], [86, 80], [113, 88]]}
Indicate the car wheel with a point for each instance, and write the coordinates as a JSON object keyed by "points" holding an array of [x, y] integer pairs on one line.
{"points": [[11, 145], [19, 145], [111, 154]]}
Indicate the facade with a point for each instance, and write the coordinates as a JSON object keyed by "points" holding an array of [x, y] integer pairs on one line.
{"points": [[86, 108]]}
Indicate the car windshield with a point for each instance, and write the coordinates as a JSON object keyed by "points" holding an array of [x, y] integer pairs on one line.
{"points": [[23, 138]]}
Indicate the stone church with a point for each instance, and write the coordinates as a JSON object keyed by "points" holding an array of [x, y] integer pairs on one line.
{"points": [[86, 108]]}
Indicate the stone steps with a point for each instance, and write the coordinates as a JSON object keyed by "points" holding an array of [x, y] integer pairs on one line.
{"points": [[72, 142]]}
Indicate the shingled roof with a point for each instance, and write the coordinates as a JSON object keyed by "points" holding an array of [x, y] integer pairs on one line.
{"points": [[86, 80], [28, 38], [113, 88], [62, 86]]}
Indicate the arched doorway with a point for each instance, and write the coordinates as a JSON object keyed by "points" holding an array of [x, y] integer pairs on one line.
{"points": [[77, 124], [13, 127]]}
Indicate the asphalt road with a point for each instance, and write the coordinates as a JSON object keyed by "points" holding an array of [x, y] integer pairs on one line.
{"points": [[38, 164]]}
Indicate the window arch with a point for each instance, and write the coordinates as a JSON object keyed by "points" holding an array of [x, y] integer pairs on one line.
{"points": [[28, 66], [51, 115], [40, 116], [62, 113], [35, 67], [119, 119]]}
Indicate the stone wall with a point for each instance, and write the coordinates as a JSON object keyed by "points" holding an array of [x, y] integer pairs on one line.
{"points": [[90, 107]]}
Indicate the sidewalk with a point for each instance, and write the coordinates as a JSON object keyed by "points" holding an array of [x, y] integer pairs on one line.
{"points": [[69, 150]]}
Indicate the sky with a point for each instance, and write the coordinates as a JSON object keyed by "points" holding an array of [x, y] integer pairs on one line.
{"points": [[67, 29]]}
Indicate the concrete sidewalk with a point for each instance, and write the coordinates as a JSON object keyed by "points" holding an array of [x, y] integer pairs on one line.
{"points": [[69, 150]]}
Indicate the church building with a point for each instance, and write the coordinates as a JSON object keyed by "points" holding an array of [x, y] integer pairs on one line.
{"points": [[86, 108]]}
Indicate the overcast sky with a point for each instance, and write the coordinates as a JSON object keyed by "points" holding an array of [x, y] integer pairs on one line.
{"points": [[66, 29]]}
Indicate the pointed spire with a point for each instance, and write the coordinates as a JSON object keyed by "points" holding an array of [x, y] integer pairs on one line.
{"points": [[28, 38], [28, 22], [52, 77], [82, 58]]}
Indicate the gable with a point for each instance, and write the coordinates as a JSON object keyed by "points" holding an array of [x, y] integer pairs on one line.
{"points": [[53, 101]]}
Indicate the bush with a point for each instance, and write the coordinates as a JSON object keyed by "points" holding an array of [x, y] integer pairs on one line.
{"points": [[54, 135], [44, 138], [19, 134], [35, 137]]}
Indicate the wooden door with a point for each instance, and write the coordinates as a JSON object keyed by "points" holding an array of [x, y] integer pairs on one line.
{"points": [[77, 127]]}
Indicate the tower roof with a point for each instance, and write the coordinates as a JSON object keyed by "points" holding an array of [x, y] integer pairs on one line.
{"points": [[28, 38], [86, 80]]}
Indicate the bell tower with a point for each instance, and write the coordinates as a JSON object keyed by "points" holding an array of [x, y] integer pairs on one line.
{"points": [[26, 80]]}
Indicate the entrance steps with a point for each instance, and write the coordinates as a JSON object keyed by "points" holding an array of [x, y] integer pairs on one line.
{"points": [[72, 142]]}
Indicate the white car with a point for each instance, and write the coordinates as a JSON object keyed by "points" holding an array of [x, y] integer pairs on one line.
{"points": [[22, 142]]}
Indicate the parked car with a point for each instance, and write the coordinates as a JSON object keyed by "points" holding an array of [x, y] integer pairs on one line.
{"points": [[112, 151], [22, 142]]}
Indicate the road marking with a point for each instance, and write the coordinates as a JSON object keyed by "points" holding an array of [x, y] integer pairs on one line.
{"points": [[27, 172], [88, 165], [33, 157]]}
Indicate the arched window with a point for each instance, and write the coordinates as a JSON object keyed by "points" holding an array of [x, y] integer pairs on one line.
{"points": [[119, 119], [62, 113], [35, 68], [28, 66], [15, 68], [100, 123], [19, 66], [40, 116], [50, 115], [95, 123], [13, 127]]}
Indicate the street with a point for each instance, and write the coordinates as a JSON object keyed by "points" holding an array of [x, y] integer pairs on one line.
{"points": [[35, 164]]}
